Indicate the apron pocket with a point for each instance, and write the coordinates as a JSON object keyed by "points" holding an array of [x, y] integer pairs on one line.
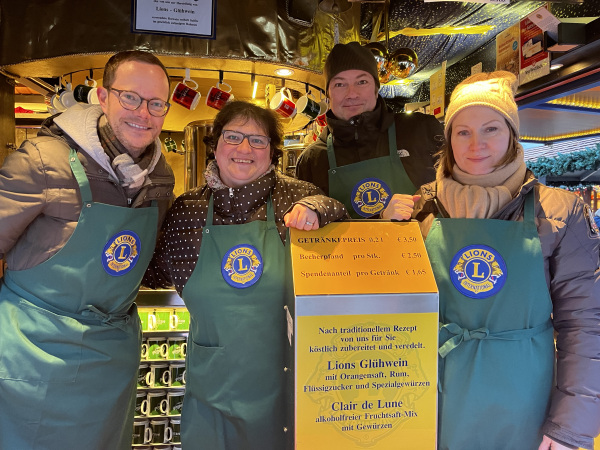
{"points": [[207, 379], [46, 347]]}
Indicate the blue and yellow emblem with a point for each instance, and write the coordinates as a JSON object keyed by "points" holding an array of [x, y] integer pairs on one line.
{"points": [[478, 271], [121, 253], [370, 196], [242, 266]]}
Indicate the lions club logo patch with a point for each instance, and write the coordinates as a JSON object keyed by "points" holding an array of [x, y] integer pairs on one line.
{"points": [[370, 196], [242, 266], [478, 271], [121, 253]]}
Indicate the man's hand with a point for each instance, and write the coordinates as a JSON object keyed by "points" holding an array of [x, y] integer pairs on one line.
{"points": [[400, 207], [302, 218], [549, 444]]}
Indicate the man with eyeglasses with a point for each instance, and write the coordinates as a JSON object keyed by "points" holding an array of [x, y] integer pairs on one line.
{"points": [[80, 206]]}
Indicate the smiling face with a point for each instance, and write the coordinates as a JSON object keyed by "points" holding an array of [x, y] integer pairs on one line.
{"points": [[241, 164], [352, 92], [137, 129], [480, 139]]}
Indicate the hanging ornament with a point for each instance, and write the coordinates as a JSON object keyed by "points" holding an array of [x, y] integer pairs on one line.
{"points": [[381, 56], [334, 6], [402, 63]]}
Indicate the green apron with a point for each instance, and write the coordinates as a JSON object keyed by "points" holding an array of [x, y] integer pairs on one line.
{"points": [[235, 391], [366, 187], [70, 333], [496, 337]]}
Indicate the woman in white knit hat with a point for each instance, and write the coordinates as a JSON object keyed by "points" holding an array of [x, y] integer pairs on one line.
{"points": [[514, 261]]}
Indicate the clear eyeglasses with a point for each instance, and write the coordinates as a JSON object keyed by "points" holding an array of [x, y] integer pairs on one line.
{"points": [[132, 100], [236, 138]]}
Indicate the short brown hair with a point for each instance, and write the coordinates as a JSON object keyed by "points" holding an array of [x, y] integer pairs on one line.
{"points": [[445, 156], [238, 109], [117, 59]]}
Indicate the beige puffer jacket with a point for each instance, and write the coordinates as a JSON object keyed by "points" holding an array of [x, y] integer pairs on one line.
{"points": [[39, 196], [570, 250]]}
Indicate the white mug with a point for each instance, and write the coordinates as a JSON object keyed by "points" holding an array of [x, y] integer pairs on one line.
{"points": [[282, 103]]}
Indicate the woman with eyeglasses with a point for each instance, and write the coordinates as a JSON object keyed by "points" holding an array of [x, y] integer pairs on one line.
{"points": [[222, 247]]}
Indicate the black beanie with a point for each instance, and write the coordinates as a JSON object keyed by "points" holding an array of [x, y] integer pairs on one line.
{"points": [[350, 56]]}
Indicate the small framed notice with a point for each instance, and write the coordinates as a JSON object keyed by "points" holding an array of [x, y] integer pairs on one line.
{"points": [[193, 18]]}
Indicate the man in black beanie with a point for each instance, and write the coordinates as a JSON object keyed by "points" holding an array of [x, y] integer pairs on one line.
{"points": [[368, 157]]}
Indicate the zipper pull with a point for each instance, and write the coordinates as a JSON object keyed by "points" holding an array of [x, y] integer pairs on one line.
{"points": [[230, 192], [129, 201]]}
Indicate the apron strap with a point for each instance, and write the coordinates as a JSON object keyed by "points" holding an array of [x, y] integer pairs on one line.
{"points": [[209, 214], [529, 210], [330, 152], [79, 173], [461, 335], [392, 140]]}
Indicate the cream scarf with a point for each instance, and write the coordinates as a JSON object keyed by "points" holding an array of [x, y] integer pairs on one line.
{"points": [[480, 196]]}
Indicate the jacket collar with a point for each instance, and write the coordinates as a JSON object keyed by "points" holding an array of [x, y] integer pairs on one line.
{"points": [[359, 128]]}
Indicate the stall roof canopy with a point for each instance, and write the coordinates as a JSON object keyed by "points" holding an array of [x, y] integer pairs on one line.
{"points": [[37, 40], [438, 31]]}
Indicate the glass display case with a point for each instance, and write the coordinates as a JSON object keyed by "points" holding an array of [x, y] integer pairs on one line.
{"points": [[161, 376]]}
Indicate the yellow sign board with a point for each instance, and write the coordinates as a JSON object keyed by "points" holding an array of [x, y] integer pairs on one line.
{"points": [[363, 257], [366, 350]]}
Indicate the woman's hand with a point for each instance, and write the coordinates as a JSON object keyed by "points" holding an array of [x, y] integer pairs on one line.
{"points": [[302, 218], [549, 444], [400, 207]]}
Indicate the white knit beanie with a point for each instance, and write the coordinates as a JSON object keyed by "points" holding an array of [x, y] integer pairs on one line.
{"points": [[493, 89]]}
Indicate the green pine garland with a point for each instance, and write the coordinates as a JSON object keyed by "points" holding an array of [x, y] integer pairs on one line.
{"points": [[588, 159]]}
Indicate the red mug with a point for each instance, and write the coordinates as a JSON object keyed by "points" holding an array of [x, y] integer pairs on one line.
{"points": [[282, 103], [186, 96], [217, 97], [321, 120]]}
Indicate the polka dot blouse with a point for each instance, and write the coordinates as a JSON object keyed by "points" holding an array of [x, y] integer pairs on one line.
{"points": [[179, 244]]}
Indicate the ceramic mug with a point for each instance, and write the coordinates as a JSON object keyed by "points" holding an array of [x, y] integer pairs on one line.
{"points": [[86, 94], [65, 96], [175, 431], [177, 348], [158, 376], [155, 404], [177, 375], [186, 96], [308, 107], [217, 97], [144, 314], [142, 433], [56, 105], [170, 144], [159, 320], [161, 432], [175, 402], [143, 371], [282, 103], [140, 401], [156, 348], [321, 120], [180, 320]]}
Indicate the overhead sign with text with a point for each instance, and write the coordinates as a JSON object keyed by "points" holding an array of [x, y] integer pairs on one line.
{"points": [[192, 18], [366, 324]]}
